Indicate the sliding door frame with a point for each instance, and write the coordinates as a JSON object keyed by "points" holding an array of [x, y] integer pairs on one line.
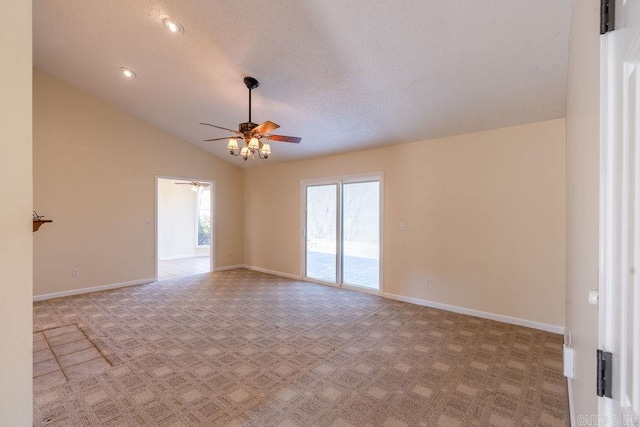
{"points": [[339, 180]]}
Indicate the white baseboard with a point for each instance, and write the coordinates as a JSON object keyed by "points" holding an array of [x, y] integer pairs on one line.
{"points": [[571, 408], [477, 313], [482, 314], [470, 312], [275, 273], [230, 267], [92, 289]]}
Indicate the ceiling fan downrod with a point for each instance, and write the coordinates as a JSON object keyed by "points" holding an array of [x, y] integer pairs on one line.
{"points": [[251, 84]]}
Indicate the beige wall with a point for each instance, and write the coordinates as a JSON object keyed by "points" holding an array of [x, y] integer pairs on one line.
{"points": [[15, 215], [484, 215], [583, 136], [94, 176]]}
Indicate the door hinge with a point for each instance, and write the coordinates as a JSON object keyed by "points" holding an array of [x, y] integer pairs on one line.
{"points": [[607, 15], [605, 371]]}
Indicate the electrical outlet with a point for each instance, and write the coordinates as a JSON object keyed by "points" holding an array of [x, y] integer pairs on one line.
{"points": [[74, 272], [428, 282]]}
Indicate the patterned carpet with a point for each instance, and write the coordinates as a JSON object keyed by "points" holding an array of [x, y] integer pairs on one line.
{"points": [[248, 349]]}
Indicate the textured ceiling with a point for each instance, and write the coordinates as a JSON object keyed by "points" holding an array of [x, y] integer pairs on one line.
{"points": [[343, 75]]}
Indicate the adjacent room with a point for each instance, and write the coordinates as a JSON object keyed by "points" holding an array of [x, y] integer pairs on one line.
{"points": [[184, 232], [295, 213]]}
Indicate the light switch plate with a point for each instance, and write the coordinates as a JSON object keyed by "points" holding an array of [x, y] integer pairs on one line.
{"points": [[567, 356]]}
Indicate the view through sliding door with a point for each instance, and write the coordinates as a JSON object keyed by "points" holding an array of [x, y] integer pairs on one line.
{"points": [[321, 236], [342, 231]]}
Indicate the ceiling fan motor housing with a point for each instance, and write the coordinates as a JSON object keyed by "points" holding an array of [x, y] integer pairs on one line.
{"points": [[247, 127], [251, 83]]}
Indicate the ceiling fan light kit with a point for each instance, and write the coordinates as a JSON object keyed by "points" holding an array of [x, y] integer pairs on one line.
{"points": [[252, 134]]}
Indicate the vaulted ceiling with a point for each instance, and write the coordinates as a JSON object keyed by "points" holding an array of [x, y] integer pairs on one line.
{"points": [[343, 75]]}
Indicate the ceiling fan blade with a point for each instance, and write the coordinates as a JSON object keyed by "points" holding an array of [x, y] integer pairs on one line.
{"points": [[282, 138], [220, 139], [265, 127], [220, 127]]}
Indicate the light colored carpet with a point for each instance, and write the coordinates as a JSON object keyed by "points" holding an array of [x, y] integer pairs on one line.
{"points": [[245, 348]]}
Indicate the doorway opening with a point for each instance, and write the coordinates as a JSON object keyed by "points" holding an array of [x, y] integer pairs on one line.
{"points": [[185, 227], [342, 231]]}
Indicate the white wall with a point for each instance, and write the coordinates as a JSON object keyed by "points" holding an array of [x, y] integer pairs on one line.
{"points": [[177, 221], [484, 215], [583, 142], [16, 239]]}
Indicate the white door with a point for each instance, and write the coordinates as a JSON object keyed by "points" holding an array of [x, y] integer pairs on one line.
{"points": [[620, 214]]}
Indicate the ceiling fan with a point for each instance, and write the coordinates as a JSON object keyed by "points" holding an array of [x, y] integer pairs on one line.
{"points": [[252, 134], [195, 186]]}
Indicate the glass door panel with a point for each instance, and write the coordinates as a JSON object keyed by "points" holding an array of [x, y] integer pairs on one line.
{"points": [[321, 232], [361, 234]]}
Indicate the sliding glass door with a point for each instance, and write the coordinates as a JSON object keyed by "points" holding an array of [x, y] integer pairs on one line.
{"points": [[342, 231], [361, 234], [322, 238]]}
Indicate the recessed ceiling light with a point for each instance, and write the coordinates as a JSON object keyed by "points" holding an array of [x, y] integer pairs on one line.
{"points": [[173, 26], [128, 73]]}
